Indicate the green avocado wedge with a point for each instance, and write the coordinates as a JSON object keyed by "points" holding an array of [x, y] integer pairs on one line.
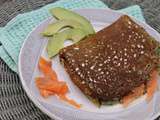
{"points": [[59, 25], [56, 42], [61, 13]]}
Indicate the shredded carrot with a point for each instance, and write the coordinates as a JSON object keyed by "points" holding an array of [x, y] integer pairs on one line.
{"points": [[49, 84], [70, 101], [152, 86], [138, 91], [45, 62], [64, 89], [45, 93], [46, 67], [42, 80]]}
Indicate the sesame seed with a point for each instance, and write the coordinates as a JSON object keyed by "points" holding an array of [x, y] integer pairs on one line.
{"points": [[129, 22], [83, 82], [143, 40], [118, 64], [96, 56], [134, 68], [99, 69], [104, 80], [81, 76], [134, 55], [133, 45], [105, 61], [73, 60], [77, 69], [132, 50], [90, 51], [125, 59], [125, 49], [83, 64], [99, 54], [115, 57], [100, 64], [142, 46], [138, 46], [122, 34], [108, 46], [76, 48], [102, 72], [95, 81], [90, 79], [142, 52], [86, 61], [92, 67]]}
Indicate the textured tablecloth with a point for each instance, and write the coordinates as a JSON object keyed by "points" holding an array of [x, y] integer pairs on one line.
{"points": [[14, 103]]}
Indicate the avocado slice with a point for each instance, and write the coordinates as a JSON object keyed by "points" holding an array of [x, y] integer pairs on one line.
{"points": [[59, 25], [62, 13], [56, 42]]}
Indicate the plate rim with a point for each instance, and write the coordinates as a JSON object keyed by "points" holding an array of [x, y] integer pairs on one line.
{"points": [[26, 89]]}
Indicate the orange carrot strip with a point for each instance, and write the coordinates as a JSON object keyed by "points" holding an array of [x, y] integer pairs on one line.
{"points": [[45, 93], [41, 80], [152, 86], [64, 89], [58, 88], [46, 68], [70, 101], [45, 62], [50, 85], [138, 91]]}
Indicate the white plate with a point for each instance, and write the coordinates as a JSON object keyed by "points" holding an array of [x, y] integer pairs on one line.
{"points": [[35, 46]]}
